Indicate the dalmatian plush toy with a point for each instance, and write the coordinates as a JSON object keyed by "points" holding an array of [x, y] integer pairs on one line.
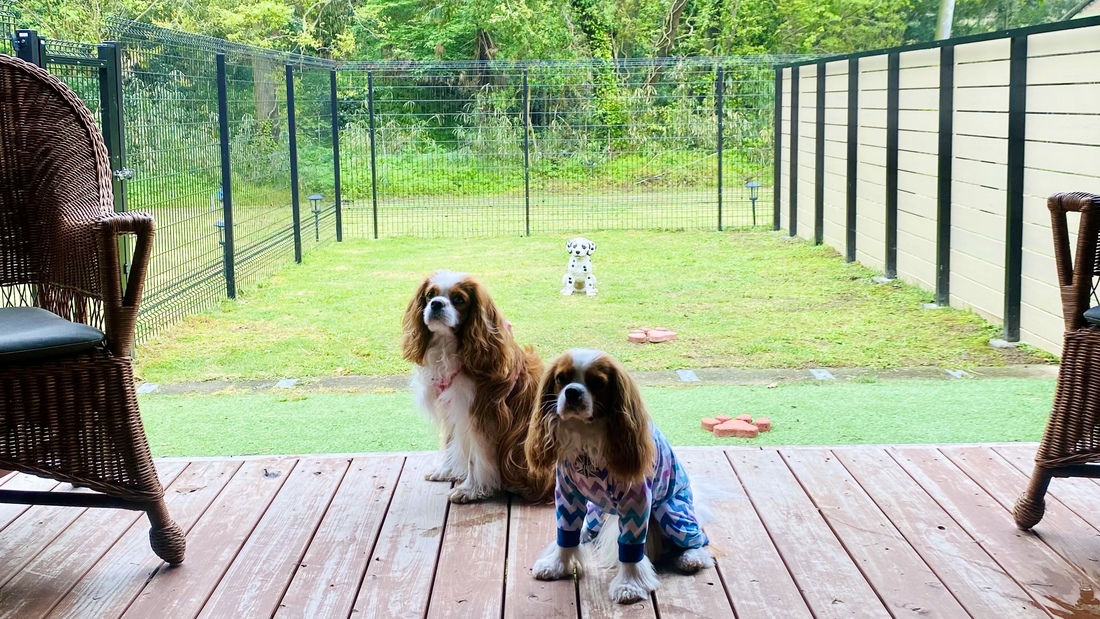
{"points": [[579, 275]]}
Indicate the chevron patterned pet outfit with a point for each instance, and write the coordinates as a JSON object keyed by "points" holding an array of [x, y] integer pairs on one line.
{"points": [[584, 496]]}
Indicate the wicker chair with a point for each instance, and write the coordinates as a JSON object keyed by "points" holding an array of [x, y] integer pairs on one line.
{"points": [[66, 323], [1072, 437]]}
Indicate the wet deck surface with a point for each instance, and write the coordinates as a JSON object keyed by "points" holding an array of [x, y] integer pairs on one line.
{"points": [[846, 532]]}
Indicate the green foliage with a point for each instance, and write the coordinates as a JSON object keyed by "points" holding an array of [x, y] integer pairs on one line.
{"points": [[523, 29]]}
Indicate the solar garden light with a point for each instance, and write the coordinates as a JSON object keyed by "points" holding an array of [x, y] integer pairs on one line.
{"points": [[315, 202], [754, 193]]}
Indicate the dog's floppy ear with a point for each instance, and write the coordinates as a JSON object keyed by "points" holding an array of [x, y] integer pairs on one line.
{"points": [[631, 450], [415, 334], [591, 247], [569, 245], [541, 447], [484, 335]]}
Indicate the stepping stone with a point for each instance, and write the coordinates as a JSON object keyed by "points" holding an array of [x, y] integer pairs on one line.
{"points": [[763, 424], [659, 334], [723, 418], [745, 418], [637, 336], [709, 423], [736, 428]]}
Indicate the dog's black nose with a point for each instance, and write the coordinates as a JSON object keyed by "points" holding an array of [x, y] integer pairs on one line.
{"points": [[573, 394], [437, 305]]}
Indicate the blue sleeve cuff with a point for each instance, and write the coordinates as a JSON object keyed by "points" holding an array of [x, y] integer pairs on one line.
{"points": [[628, 553], [569, 539]]}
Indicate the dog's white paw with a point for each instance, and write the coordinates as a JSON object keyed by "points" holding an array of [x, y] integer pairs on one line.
{"points": [[694, 559], [567, 291], [443, 474], [591, 292], [550, 567], [469, 494], [634, 582], [557, 563]]}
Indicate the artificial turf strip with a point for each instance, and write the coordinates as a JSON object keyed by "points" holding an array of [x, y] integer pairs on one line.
{"points": [[961, 411]]}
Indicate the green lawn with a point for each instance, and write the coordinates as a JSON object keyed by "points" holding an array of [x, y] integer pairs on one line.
{"points": [[737, 299], [809, 414]]}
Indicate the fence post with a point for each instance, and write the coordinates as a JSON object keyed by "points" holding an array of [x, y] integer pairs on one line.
{"points": [[227, 182], [777, 156], [719, 88], [292, 132], [945, 160], [526, 154], [793, 175], [1014, 220], [852, 160], [893, 76], [30, 47], [111, 110], [373, 164], [819, 158], [114, 132], [336, 156]]}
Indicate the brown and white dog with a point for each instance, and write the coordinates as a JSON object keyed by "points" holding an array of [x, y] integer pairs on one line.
{"points": [[477, 384], [611, 464]]}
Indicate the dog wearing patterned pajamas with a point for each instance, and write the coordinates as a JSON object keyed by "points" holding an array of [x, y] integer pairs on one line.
{"points": [[593, 430]]}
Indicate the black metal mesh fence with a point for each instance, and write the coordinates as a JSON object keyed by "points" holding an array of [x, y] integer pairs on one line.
{"points": [[466, 149], [170, 103], [173, 140], [316, 168], [426, 149]]}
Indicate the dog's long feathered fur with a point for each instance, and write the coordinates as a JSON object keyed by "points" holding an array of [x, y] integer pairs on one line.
{"points": [[502, 375], [592, 428]]}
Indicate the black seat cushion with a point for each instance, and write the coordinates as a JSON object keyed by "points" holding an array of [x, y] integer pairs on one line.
{"points": [[34, 333], [1092, 316]]}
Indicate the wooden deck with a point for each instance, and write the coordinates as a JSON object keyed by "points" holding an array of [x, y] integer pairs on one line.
{"points": [[853, 532]]}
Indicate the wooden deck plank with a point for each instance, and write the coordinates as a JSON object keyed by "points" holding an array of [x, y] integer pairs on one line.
{"points": [[1048, 579], [812, 521], [9, 512], [328, 578], [595, 600], [702, 594], [1081, 495], [830, 581], [109, 587], [262, 571], [398, 580], [899, 575], [47, 578], [976, 580], [752, 570], [468, 577], [1063, 531], [31, 532], [531, 529], [213, 542]]}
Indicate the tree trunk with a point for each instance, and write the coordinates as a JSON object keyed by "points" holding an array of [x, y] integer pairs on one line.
{"points": [[668, 37], [944, 20], [263, 91]]}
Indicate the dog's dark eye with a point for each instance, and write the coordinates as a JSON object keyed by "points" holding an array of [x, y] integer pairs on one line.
{"points": [[458, 301], [597, 383], [561, 379]]}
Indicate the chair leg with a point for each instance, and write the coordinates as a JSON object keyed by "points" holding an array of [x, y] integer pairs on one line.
{"points": [[1029, 508], [165, 536]]}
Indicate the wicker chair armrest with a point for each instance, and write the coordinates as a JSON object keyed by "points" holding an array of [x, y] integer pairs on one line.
{"points": [[1075, 276], [120, 306]]}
